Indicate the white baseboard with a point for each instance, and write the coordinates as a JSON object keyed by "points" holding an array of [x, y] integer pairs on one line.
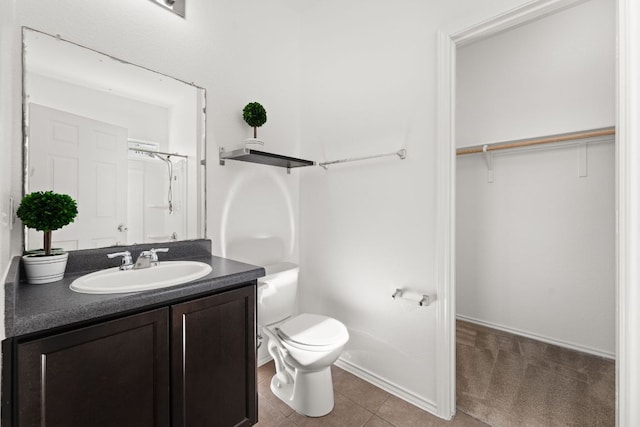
{"points": [[388, 386], [379, 382], [265, 359], [559, 343]]}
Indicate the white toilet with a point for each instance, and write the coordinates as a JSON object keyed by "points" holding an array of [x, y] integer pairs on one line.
{"points": [[303, 347]]}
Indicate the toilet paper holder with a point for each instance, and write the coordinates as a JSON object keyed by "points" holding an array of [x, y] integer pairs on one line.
{"points": [[423, 300]]}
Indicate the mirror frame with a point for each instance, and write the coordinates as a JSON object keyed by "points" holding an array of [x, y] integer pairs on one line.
{"points": [[176, 6], [201, 203]]}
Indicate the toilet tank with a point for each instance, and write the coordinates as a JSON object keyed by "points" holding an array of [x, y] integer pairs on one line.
{"points": [[277, 292]]}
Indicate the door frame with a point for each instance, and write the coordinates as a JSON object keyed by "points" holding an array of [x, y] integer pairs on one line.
{"points": [[627, 198]]}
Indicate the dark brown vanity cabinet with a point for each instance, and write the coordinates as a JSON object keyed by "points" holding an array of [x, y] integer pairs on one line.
{"points": [[188, 364], [219, 328], [114, 373]]}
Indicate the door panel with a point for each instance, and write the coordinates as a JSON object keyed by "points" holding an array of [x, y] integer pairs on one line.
{"points": [[214, 361], [112, 374], [86, 159]]}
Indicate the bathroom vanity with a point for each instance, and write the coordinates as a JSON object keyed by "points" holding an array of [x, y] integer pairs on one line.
{"points": [[178, 356]]}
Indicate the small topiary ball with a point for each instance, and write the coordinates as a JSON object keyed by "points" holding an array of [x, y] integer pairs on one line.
{"points": [[46, 210], [254, 114]]}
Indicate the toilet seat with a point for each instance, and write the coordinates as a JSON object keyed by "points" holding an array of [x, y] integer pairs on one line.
{"points": [[312, 332]]}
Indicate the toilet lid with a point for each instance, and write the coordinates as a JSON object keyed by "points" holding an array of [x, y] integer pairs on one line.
{"points": [[314, 330]]}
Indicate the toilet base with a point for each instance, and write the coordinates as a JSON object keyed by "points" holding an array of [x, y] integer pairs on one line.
{"points": [[311, 393]]}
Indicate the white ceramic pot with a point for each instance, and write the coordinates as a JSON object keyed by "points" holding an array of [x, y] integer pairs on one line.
{"points": [[45, 269]]}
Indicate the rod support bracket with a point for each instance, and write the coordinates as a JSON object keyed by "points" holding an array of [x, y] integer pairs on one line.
{"points": [[488, 159]]}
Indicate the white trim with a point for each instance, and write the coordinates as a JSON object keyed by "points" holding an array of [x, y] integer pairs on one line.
{"points": [[445, 232], [510, 19], [628, 208], [387, 386], [448, 42], [538, 337], [264, 360]]}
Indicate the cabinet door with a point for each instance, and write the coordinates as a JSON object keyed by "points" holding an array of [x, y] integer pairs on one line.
{"points": [[111, 374], [213, 353]]}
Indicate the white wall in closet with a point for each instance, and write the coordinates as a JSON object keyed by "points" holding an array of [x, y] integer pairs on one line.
{"points": [[535, 248], [551, 76]]}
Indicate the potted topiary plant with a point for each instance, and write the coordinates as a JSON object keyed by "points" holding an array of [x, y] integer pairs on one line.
{"points": [[255, 116], [46, 211]]}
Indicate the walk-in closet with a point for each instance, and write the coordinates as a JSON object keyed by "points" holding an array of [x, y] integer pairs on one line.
{"points": [[535, 221]]}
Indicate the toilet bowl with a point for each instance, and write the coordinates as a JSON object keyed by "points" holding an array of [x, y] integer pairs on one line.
{"points": [[303, 347]]}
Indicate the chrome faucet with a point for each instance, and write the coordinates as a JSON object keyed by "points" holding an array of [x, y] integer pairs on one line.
{"points": [[126, 263], [148, 258]]}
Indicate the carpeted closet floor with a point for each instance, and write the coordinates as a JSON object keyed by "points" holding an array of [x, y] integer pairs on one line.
{"points": [[507, 380]]}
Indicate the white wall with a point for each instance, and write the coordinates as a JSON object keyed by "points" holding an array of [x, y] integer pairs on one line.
{"points": [[551, 76], [536, 248], [369, 87], [144, 121]]}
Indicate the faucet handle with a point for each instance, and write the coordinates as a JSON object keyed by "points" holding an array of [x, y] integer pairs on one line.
{"points": [[123, 254], [127, 261], [154, 253]]}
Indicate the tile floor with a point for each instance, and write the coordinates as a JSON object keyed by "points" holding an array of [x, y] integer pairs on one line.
{"points": [[357, 404]]}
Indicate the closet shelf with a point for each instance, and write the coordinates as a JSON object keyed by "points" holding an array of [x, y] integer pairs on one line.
{"points": [[264, 158]]}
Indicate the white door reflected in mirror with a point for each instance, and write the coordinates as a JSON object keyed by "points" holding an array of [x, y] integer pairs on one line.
{"points": [[83, 158]]}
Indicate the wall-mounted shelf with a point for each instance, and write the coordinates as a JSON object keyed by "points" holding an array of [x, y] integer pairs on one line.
{"points": [[264, 158]]}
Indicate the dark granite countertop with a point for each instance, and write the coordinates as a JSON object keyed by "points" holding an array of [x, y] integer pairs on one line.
{"points": [[37, 308]]}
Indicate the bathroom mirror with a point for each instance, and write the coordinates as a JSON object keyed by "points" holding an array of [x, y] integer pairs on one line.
{"points": [[127, 143]]}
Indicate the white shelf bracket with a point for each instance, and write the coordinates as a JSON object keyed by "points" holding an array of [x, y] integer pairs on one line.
{"points": [[488, 159], [582, 160]]}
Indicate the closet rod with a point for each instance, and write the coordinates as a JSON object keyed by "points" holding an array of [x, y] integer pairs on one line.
{"points": [[537, 141]]}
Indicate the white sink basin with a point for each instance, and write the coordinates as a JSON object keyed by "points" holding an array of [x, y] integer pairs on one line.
{"points": [[114, 280]]}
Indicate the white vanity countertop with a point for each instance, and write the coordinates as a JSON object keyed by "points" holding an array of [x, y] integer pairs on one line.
{"points": [[37, 308]]}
